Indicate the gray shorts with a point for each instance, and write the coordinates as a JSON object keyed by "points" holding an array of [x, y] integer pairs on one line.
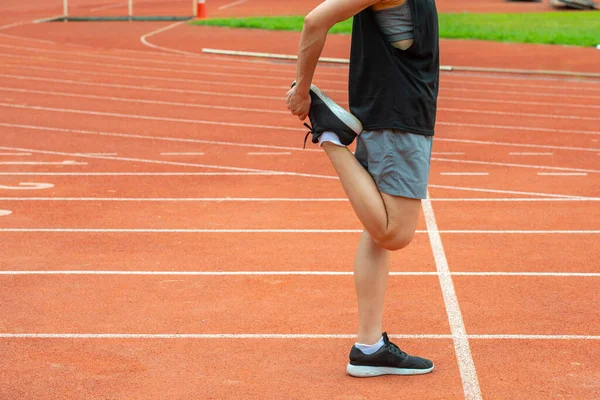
{"points": [[398, 161]]}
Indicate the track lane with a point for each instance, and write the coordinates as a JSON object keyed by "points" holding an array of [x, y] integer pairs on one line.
{"points": [[196, 252], [257, 304], [210, 369]]}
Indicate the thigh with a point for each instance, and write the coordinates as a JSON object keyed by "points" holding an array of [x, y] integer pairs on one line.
{"points": [[403, 214]]}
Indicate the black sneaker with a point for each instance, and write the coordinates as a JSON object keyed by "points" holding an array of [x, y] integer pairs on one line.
{"points": [[326, 115], [389, 360]]}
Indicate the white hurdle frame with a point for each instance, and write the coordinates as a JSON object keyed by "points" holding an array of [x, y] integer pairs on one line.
{"points": [[129, 7]]}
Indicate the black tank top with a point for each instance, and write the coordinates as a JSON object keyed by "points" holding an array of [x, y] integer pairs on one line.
{"points": [[391, 88]]}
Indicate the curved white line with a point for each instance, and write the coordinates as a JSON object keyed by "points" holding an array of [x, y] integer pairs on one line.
{"points": [[144, 40]]}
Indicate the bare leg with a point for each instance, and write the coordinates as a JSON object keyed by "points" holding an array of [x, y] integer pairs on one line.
{"points": [[391, 221], [371, 268]]}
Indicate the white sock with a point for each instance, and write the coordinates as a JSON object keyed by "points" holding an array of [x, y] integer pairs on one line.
{"points": [[370, 348], [330, 137]]}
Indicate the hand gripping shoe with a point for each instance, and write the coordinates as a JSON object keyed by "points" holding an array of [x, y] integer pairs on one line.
{"points": [[326, 115]]}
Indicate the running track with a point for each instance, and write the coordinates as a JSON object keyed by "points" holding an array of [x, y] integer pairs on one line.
{"points": [[164, 235]]}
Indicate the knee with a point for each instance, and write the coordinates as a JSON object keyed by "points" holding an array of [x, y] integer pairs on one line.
{"points": [[394, 241]]}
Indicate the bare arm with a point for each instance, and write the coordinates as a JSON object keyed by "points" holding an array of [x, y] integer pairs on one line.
{"points": [[314, 33]]}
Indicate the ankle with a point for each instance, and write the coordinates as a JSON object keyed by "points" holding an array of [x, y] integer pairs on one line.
{"points": [[369, 338], [328, 138], [369, 349]]}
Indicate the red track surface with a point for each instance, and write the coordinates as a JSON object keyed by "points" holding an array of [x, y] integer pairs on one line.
{"points": [[142, 239]]}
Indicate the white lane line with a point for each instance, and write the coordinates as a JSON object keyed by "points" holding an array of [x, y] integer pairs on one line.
{"points": [[159, 174], [15, 154], [514, 165], [518, 93], [174, 163], [275, 68], [512, 144], [37, 21], [354, 231], [120, 230], [195, 105], [514, 102], [276, 336], [158, 78], [66, 162], [274, 172], [262, 173], [465, 173], [203, 336], [518, 128], [562, 174], [155, 138], [4, 213], [532, 274], [514, 199], [531, 115], [275, 199], [176, 120], [524, 232], [109, 55], [483, 190], [446, 153], [204, 72], [183, 140], [341, 82], [330, 90], [487, 81], [182, 154], [144, 101], [180, 199], [198, 273], [8, 26], [466, 365], [28, 186], [100, 154], [144, 40], [135, 87], [506, 127], [133, 160], [232, 4], [296, 273], [282, 153], [530, 154], [535, 337], [150, 117], [71, 82], [146, 68]]}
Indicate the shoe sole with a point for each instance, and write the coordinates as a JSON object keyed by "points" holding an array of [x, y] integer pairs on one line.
{"points": [[580, 4], [360, 371], [347, 118]]}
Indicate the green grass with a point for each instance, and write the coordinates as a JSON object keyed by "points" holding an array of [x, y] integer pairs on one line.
{"points": [[566, 28]]}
